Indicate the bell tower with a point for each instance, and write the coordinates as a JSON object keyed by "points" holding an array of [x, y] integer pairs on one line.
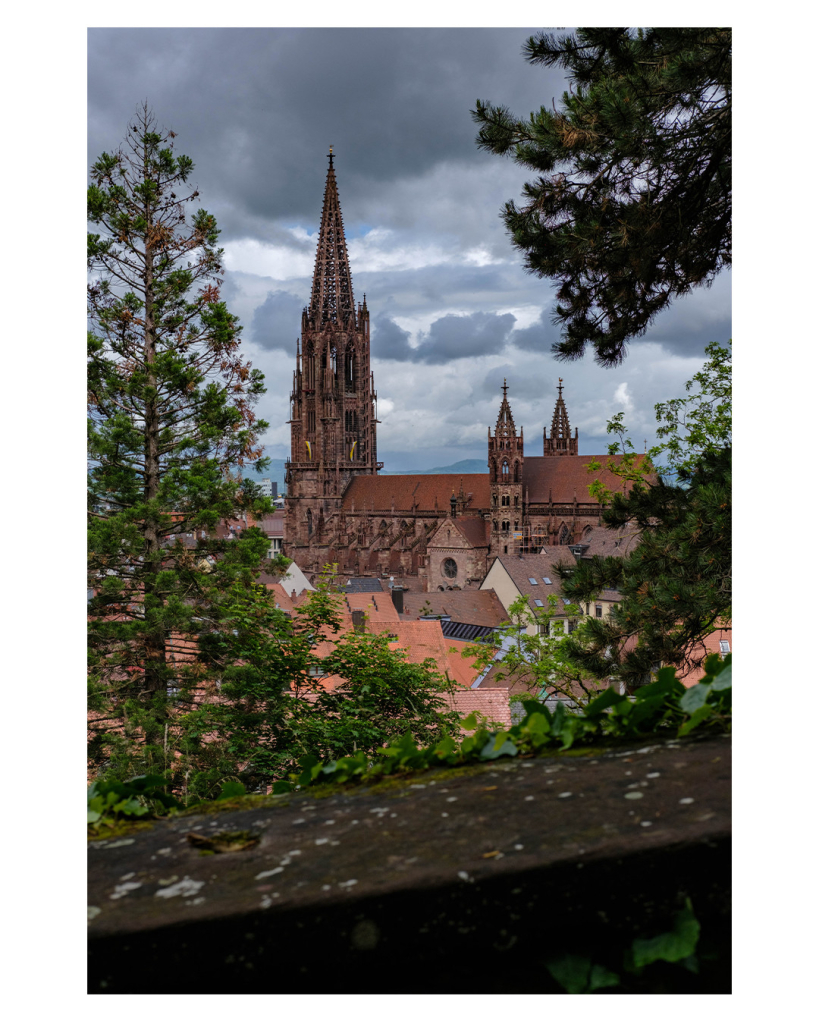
{"points": [[506, 480], [560, 441], [333, 402]]}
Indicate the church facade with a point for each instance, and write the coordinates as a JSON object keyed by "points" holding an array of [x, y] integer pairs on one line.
{"points": [[443, 529]]}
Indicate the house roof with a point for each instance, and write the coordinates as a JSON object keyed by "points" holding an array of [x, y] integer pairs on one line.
{"points": [[465, 631], [427, 491], [360, 585], [377, 607], [523, 568], [602, 540], [477, 607], [272, 525], [565, 478], [493, 704]]}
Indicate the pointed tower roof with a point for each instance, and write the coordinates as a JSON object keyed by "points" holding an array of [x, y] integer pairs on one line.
{"points": [[505, 424], [560, 420], [560, 441], [331, 300]]}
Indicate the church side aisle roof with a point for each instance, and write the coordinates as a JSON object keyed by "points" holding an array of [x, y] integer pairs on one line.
{"points": [[379, 493]]}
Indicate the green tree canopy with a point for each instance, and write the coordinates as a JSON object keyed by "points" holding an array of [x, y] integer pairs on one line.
{"points": [[632, 204]]}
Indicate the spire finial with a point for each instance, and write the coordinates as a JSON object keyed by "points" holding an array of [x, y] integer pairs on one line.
{"points": [[560, 387], [505, 386], [330, 154]]}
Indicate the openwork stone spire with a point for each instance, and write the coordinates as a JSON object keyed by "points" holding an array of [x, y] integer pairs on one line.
{"points": [[560, 441], [331, 300], [505, 427]]}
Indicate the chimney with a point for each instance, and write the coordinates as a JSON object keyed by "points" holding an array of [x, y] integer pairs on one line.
{"points": [[398, 599], [358, 620]]}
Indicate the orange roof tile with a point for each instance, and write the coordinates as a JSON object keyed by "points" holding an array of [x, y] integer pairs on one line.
{"points": [[492, 704]]}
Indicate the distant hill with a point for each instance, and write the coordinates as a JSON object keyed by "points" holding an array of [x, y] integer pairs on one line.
{"points": [[464, 466], [276, 470]]}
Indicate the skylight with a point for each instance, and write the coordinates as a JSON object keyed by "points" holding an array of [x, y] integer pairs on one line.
{"points": [[546, 580], [538, 603], [533, 581]]}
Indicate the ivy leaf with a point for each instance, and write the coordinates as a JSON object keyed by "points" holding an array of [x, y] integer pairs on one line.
{"points": [[577, 974], [677, 944]]}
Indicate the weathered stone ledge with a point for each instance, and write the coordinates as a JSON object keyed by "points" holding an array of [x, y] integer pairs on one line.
{"points": [[456, 882]]}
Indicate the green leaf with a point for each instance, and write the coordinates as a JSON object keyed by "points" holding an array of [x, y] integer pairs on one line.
{"points": [[605, 700], [699, 716], [671, 946], [282, 786], [470, 722], [577, 974], [722, 681], [694, 698]]}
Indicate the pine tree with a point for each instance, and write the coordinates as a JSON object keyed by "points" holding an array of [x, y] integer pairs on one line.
{"points": [[675, 584], [632, 204], [170, 413]]}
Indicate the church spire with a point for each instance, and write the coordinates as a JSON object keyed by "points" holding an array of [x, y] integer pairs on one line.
{"points": [[506, 424], [560, 441], [331, 300]]}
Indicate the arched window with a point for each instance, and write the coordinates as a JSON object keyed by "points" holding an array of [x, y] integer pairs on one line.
{"points": [[505, 526], [504, 499], [505, 470], [516, 501], [565, 535]]}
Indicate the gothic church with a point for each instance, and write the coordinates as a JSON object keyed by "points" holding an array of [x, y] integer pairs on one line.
{"points": [[443, 529]]}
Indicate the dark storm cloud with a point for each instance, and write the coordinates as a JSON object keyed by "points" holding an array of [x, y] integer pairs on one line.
{"points": [[537, 337], [522, 385], [460, 337], [277, 322], [691, 323], [257, 108], [427, 289], [388, 340]]}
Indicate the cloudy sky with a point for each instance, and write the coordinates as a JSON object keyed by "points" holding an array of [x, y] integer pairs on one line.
{"points": [[452, 310]]}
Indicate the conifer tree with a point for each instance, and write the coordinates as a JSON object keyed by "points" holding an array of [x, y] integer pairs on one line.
{"points": [[631, 207], [170, 412]]}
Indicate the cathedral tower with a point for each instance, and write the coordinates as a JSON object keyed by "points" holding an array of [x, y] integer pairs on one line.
{"points": [[506, 479], [332, 405], [560, 441]]}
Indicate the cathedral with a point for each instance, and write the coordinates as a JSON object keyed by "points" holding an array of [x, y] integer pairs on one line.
{"points": [[442, 529]]}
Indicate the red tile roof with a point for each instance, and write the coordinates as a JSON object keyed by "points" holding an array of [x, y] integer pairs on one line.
{"points": [[566, 477], [491, 704], [380, 493], [476, 531], [479, 607]]}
